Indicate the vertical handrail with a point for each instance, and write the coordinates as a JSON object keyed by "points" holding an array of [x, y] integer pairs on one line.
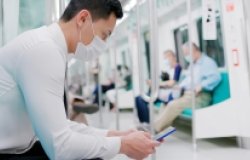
{"points": [[154, 64], [62, 6], [116, 92], [87, 70], [99, 86], [154, 52], [153, 57], [2, 19], [192, 73], [154, 68], [245, 33]]}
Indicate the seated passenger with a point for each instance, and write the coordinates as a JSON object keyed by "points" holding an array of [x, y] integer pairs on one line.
{"points": [[107, 85], [165, 87], [124, 84], [206, 78], [78, 106]]}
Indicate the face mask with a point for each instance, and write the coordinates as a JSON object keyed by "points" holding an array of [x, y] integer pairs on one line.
{"points": [[166, 62], [188, 58], [91, 51]]}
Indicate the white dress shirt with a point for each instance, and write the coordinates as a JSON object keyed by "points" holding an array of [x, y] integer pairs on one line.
{"points": [[32, 70]]}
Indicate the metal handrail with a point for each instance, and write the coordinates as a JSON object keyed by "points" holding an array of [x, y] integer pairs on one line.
{"points": [[100, 95], [154, 58], [154, 65], [116, 92], [154, 52], [87, 70], [189, 12], [62, 6], [2, 19]]}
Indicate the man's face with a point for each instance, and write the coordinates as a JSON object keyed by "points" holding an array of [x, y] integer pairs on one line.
{"points": [[102, 28]]}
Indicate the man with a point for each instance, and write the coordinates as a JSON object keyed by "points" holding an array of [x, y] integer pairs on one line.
{"points": [[206, 78], [174, 71], [32, 69]]}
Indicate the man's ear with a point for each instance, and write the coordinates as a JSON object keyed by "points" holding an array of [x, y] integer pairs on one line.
{"points": [[81, 17]]}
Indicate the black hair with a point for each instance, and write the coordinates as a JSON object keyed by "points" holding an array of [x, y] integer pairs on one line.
{"points": [[99, 9]]}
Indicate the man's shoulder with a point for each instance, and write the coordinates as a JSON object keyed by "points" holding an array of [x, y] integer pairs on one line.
{"points": [[208, 60]]}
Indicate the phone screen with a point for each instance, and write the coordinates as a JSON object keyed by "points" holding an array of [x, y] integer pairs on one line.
{"points": [[165, 133]]}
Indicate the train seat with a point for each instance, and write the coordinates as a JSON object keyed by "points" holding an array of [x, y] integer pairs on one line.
{"points": [[220, 94]]}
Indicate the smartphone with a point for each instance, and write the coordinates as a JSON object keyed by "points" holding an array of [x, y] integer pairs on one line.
{"points": [[165, 133]]}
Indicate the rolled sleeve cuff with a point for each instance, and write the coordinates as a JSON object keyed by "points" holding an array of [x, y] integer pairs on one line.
{"points": [[113, 147]]}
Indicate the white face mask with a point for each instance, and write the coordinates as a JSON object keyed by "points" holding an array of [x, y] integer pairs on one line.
{"points": [[91, 51], [166, 62]]}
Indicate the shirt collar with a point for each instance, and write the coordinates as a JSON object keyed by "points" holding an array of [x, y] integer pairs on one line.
{"points": [[58, 37]]}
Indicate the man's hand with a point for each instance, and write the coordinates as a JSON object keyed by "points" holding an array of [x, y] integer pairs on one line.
{"points": [[198, 89], [138, 145]]}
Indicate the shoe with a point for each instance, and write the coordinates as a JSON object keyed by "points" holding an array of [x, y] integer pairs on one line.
{"points": [[85, 108], [144, 127]]}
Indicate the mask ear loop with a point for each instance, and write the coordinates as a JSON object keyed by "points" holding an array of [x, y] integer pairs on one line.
{"points": [[80, 35], [93, 31], [92, 25]]}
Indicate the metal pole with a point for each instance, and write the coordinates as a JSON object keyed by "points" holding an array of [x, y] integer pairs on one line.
{"points": [[116, 93], [138, 32], [154, 60], [245, 32], [100, 96], [245, 142], [2, 20], [153, 55], [62, 7], [154, 71], [192, 73], [87, 69]]}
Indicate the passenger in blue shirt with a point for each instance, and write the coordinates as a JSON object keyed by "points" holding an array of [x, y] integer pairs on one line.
{"points": [[169, 79], [206, 78]]}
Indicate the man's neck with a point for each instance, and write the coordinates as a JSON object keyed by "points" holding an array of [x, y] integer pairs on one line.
{"points": [[69, 34]]}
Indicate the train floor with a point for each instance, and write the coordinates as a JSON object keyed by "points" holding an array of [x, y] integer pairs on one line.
{"points": [[179, 145]]}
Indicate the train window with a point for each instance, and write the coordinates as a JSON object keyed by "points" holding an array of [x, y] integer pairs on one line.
{"points": [[31, 14], [180, 37], [213, 48]]}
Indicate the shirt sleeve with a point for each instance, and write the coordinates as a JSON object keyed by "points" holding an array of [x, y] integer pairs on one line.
{"points": [[84, 129], [210, 77], [40, 76], [185, 83]]}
